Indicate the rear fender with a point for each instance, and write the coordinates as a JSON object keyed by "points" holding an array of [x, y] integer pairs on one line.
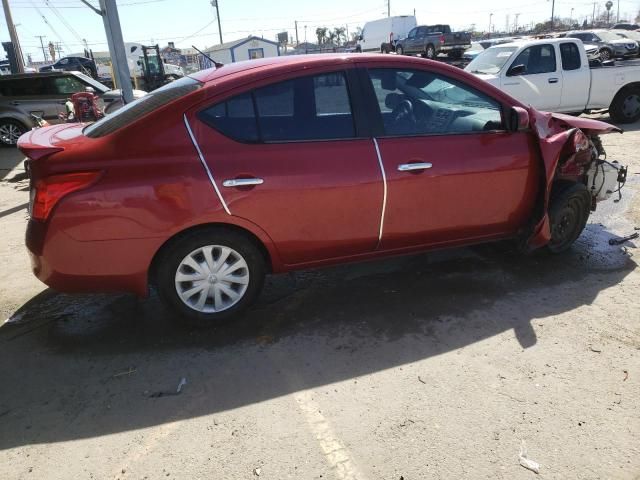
{"points": [[555, 133]]}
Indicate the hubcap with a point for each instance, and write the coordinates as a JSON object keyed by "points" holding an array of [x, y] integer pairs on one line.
{"points": [[10, 133], [604, 54], [631, 105], [212, 279]]}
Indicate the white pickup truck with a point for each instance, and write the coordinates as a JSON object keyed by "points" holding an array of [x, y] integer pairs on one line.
{"points": [[554, 75]]}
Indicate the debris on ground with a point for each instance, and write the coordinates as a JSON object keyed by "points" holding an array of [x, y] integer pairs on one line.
{"points": [[126, 372], [626, 375], [421, 380], [594, 349], [621, 240], [178, 391], [257, 471], [527, 462]]}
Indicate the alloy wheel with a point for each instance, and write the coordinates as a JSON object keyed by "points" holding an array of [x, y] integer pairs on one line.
{"points": [[212, 278], [10, 133], [631, 105]]}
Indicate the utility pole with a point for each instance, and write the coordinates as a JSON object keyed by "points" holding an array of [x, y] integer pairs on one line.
{"points": [[515, 26], [490, 17], [553, 8], [297, 42], [59, 50], [14, 36], [214, 3], [109, 13], [388, 8], [571, 18], [618, 15], [44, 52], [593, 17]]}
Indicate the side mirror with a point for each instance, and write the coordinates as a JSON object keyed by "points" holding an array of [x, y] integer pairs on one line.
{"points": [[518, 119], [517, 70]]}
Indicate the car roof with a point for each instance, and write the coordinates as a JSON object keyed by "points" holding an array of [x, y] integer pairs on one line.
{"points": [[292, 62], [524, 41]]}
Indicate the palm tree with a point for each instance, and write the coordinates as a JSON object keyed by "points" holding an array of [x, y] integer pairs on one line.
{"points": [[321, 33], [341, 36]]}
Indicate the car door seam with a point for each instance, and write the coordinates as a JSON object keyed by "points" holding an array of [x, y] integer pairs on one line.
{"points": [[384, 190], [204, 164]]}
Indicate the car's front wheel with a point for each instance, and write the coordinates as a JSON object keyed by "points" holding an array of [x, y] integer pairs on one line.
{"points": [[568, 215], [400, 50], [210, 275], [606, 54], [10, 132]]}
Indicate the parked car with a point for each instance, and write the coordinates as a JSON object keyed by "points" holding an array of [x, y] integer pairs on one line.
{"points": [[44, 95], [287, 163], [382, 35], [630, 34], [478, 47], [555, 75], [74, 64], [611, 45], [431, 40], [626, 26]]}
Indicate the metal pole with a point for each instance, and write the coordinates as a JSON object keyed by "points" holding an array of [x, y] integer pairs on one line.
{"points": [[618, 15], [13, 35], [297, 42], [388, 8], [215, 4], [593, 17], [44, 52], [116, 47], [553, 7]]}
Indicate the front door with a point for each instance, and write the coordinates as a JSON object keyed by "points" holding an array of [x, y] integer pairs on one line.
{"points": [[453, 172], [287, 157], [538, 81]]}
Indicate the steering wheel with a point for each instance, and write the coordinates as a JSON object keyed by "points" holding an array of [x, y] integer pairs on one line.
{"points": [[403, 113]]}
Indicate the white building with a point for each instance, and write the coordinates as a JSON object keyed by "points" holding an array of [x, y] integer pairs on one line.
{"points": [[244, 49]]}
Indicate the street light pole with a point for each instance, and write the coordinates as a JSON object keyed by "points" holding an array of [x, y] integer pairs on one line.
{"points": [[214, 3], [553, 8], [490, 16], [14, 36], [571, 17]]}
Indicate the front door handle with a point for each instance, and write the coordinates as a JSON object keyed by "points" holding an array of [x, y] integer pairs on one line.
{"points": [[553, 80], [408, 167], [242, 182]]}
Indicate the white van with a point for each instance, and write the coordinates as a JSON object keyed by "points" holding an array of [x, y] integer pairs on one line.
{"points": [[382, 35]]}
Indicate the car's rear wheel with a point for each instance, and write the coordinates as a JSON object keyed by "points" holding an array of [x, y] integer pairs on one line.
{"points": [[210, 275], [625, 107], [568, 215], [10, 132]]}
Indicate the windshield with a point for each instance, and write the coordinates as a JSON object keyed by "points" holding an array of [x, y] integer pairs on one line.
{"points": [[491, 60], [608, 36], [142, 106], [94, 83]]}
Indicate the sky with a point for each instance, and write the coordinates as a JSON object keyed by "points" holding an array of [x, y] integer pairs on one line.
{"points": [[188, 22]]}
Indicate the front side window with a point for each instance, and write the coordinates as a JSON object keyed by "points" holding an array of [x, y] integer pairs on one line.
{"points": [[66, 85], [412, 33], [537, 59], [570, 56], [306, 108], [416, 102]]}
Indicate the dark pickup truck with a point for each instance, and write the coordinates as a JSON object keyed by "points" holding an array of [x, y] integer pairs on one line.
{"points": [[431, 40]]}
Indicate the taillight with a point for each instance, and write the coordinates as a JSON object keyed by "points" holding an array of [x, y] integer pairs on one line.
{"points": [[49, 190], [442, 39]]}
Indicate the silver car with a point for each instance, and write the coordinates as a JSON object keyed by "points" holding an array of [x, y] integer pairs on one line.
{"points": [[610, 44], [44, 95]]}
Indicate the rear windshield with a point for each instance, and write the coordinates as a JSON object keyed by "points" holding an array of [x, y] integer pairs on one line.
{"points": [[140, 107]]}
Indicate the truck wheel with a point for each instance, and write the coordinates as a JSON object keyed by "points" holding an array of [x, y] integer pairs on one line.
{"points": [[430, 52], [210, 275], [625, 107], [568, 214], [10, 132], [399, 50], [384, 48]]}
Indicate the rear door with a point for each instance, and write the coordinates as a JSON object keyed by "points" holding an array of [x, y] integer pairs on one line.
{"points": [[453, 173], [288, 156], [541, 82], [576, 78], [32, 96]]}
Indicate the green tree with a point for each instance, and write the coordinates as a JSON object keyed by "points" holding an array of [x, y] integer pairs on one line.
{"points": [[321, 34]]}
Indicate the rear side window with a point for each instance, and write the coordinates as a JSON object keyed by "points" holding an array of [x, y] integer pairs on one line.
{"points": [[570, 56], [142, 106], [306, 108], [23, 87]]}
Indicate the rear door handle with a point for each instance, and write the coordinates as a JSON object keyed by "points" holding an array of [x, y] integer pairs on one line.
{"points": [[242, 182], [408, 167], [553, 80]]}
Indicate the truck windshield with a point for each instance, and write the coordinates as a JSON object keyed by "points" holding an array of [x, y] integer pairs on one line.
{"points": [[491, 60]]}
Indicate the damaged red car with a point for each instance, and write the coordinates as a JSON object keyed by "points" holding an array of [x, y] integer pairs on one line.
{"points": [[213, 181]]}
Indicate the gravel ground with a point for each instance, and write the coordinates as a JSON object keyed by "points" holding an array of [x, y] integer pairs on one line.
{"points": [[429, 366]]}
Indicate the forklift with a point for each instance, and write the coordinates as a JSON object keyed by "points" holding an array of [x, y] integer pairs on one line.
{"points": [[152, 68]]}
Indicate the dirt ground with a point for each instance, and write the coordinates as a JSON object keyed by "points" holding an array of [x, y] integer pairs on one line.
{"points": [[432, 366]]}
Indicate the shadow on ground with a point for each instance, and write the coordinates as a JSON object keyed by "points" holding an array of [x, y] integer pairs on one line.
{"points": [[10, 157], [79, 367]]}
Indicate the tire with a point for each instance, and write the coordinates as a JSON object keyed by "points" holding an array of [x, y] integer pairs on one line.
{"points": [[568, 215], [384, 48], [400, 50], [10, 131], [455, 54], [606, 54], [625, 107], [212, 296], [430, 52]]}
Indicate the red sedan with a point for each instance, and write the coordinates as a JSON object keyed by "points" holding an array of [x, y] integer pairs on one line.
{"points": [[207, 184]]}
